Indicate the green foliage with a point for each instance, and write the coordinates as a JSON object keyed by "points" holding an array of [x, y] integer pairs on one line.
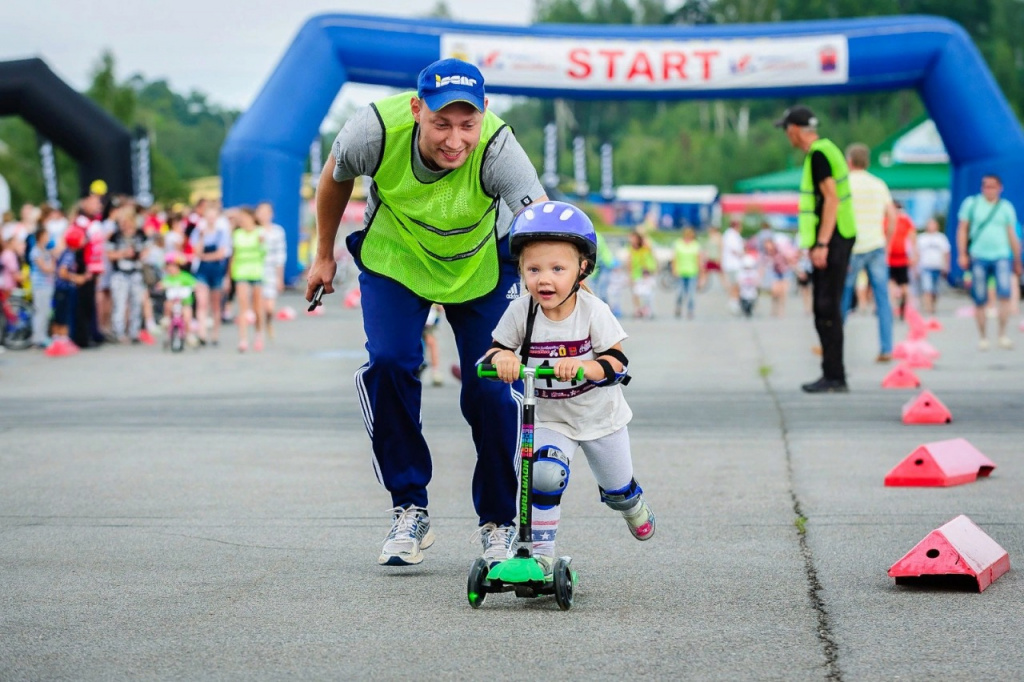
{"points": [[186, 131]]}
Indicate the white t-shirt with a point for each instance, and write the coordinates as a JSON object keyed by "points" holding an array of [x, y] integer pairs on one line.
{"points": [[579, 410], [932, 248], [732, 250], [871, 198]]}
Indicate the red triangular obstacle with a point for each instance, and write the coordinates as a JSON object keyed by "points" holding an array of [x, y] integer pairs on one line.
{"points": [[959, 548], [943, 463], [926, 409], [917, 326], [901, 376]]}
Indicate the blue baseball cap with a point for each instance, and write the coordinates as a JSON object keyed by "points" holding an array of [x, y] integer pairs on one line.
{"points": [[451, 80]]}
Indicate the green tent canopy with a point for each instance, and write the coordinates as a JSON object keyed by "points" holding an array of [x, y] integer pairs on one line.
{"points": [[911, 158], [905, 176]]}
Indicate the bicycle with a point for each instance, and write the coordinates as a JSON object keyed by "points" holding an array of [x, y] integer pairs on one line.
{"points": [[177, 331], [16, 321]]}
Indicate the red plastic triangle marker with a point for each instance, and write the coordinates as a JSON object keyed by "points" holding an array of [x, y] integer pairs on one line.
{"points": [[901, 376], [916, 325], [943, 463], [926, 409], [919, 361], [959, 548], [927, 349]]}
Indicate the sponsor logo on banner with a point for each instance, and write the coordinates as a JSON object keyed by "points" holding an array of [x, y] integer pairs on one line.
{"points": [[582, 63]]}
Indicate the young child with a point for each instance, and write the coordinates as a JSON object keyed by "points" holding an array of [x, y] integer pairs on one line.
{"points": [[43, 275], [65, 292], [431, 346], [178, 285], [749, 280], [568, 327], [933, 247]]}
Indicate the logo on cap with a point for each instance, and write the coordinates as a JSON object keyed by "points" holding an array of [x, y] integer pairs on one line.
{"points": [[440, 82]]}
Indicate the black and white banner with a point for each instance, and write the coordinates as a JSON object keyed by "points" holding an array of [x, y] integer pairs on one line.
{"points": [[607, 179], [579, 157], [550, 177], [142, 168], [48, 163], [316, 160]]}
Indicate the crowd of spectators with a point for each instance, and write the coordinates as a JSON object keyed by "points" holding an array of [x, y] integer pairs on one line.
{"points": [[96, 275]]}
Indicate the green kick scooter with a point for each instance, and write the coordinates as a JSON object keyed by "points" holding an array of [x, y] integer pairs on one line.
{"points": [[523, 574]]}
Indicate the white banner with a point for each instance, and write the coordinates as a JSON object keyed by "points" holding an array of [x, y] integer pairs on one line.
{"points": [[592, 64]]}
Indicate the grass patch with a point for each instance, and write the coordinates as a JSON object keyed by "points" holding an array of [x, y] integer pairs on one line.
{"points": [[765, 371], [801, 525]]}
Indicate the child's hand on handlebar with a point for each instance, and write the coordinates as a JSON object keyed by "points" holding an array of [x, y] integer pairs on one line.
{"points": [[506, 363], [566, 369]]}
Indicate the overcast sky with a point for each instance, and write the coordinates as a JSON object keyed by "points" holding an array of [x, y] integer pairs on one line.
{"points": [[223, 48]]}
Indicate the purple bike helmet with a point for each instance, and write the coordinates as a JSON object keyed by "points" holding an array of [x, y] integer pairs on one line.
{"points": [[555, 221]]}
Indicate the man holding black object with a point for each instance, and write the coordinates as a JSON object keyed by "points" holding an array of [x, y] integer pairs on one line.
{"points": [[827, 230], [448, 176]]}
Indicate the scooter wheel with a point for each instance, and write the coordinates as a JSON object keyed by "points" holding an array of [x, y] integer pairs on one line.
{"points": [[476, 588], [562, 575]]}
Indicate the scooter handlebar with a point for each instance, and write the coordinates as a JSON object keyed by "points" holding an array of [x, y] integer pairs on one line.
{"points": [[488, 371]]}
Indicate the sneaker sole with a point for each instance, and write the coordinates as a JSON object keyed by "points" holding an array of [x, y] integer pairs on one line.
{"points": [[409, 560]]}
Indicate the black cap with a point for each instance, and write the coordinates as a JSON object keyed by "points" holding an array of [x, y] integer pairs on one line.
{"points": [[798, 115]]}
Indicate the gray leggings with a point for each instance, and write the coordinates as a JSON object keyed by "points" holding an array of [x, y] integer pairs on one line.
{"points": [[42, 306], [127, 290]]}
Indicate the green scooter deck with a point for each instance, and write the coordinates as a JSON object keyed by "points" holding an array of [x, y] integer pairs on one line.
{"points": [[518, 571]]}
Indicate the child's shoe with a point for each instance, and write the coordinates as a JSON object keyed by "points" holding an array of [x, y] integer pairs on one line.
{"points": [[629, 502], [640, 520]]}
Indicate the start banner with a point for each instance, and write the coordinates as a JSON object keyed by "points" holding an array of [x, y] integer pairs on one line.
{"points": [[586, 63]]}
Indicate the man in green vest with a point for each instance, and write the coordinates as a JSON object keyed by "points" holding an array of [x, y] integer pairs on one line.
{"points": [[448, 177], [827, 230]]}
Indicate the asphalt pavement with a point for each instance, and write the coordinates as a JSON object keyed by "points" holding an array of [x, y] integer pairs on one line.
{"points": [[212, 515]]}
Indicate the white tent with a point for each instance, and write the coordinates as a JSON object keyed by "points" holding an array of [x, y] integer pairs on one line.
{"points": [[5, 195]]}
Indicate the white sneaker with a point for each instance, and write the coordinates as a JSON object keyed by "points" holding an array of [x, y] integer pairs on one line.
{"points": [[499, 542], [983, 344], [1005, 342], [410, 534], [640, 520]]}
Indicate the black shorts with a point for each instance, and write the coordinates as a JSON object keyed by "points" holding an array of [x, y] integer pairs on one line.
{"points": [[62, 312], [899, 274]]}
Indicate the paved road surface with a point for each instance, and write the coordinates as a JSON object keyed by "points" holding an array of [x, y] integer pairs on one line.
{"points": [[213, 515]]}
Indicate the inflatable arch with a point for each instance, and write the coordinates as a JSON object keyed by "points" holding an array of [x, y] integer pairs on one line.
{"points": [[265, 153], [95, 139]]}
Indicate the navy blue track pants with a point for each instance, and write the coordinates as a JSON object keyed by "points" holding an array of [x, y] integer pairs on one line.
{"points": [[390, 393]]}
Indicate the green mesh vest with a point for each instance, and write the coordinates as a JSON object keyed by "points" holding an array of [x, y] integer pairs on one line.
{"points": [[438, 238], [808, 220]]}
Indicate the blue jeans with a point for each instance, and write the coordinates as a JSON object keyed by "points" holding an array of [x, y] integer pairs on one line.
{"points": [[390, 392], [687, 288], [1000, 270], [874, 262]]}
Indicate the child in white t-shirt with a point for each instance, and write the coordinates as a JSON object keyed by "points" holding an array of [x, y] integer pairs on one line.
{"points": [[570, 329], [933, 262], [749, 280]]}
